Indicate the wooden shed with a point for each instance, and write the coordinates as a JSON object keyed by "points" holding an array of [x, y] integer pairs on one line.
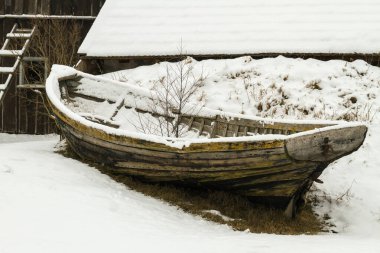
{"points": [[27, 27], [146, 31]]}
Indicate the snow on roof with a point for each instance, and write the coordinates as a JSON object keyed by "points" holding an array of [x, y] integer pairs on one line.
{"points": [[209, 27]]}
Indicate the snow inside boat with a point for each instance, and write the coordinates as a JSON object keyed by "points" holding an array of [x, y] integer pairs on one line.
{"points": [[269, 161]]}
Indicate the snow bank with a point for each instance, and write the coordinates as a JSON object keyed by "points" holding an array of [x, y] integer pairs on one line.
{"points": [[277, 87]]}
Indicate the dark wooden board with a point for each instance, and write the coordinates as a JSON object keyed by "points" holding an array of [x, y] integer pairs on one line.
{"points": [[45, 7], [31, 7], [2, 7], [19, 6]]}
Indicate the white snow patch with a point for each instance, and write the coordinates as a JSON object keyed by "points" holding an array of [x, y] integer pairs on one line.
{"points": [[217, 213]]}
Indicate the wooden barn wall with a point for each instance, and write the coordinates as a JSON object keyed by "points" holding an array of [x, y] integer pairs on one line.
{"points": [[51, 7], [22, 110], [99, 65]]}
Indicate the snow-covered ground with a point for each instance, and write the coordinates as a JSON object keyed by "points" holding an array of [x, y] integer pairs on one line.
{"points": [[49, 203]]}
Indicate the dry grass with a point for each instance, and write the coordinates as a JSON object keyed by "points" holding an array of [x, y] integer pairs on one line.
{"points": [[244, 215]]}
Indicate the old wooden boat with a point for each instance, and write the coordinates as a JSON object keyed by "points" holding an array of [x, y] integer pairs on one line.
{"points": [[269, 161]]}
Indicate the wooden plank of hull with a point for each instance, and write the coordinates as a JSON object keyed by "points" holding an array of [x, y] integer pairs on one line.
{"points": [[237, 180], [221, 158], [277, 182], [188, 167], [153, 146], [267, 158], [275, 126], [195, 151]]}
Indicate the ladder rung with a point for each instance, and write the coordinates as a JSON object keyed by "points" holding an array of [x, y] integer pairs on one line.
{"points": [[23, 30], [10, 53], [30, 86], [7, 70], [19, 35]]}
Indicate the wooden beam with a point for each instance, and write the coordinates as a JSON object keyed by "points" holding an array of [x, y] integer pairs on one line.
{"points": [[31, 86], [49, 17]]}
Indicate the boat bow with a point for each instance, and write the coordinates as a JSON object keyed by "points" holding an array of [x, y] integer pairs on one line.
{"points": [[326, 144]]}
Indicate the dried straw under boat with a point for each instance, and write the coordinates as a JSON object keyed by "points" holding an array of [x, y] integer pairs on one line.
{"points": [[269, 161]]}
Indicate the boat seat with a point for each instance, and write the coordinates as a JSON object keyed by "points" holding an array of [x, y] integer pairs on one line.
{"points": [[100, 120]]}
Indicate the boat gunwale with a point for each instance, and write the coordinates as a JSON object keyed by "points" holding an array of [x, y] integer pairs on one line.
{"points": [[165, 143], [193, 148]]}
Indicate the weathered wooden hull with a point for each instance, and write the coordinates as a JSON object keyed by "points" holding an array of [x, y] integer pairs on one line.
{"points": [[262, 174], [275, 171]]}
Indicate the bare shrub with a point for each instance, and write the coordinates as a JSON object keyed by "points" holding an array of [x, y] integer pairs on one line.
{"points": [[359, 113], [172, 95]]}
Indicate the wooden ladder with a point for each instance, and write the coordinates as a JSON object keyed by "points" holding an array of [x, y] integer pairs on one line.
{"points": [[15, 35]]}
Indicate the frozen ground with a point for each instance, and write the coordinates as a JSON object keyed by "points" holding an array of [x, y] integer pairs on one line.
{"points": [[49, 203]]}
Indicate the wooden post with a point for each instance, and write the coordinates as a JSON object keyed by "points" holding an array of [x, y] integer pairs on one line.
{"points": [[36, 117], [18, 99], [21, 73], [26, 112], [15, 102], [46, 66], [18, 107], [2, 116], [92, 11], [36, 5]]}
